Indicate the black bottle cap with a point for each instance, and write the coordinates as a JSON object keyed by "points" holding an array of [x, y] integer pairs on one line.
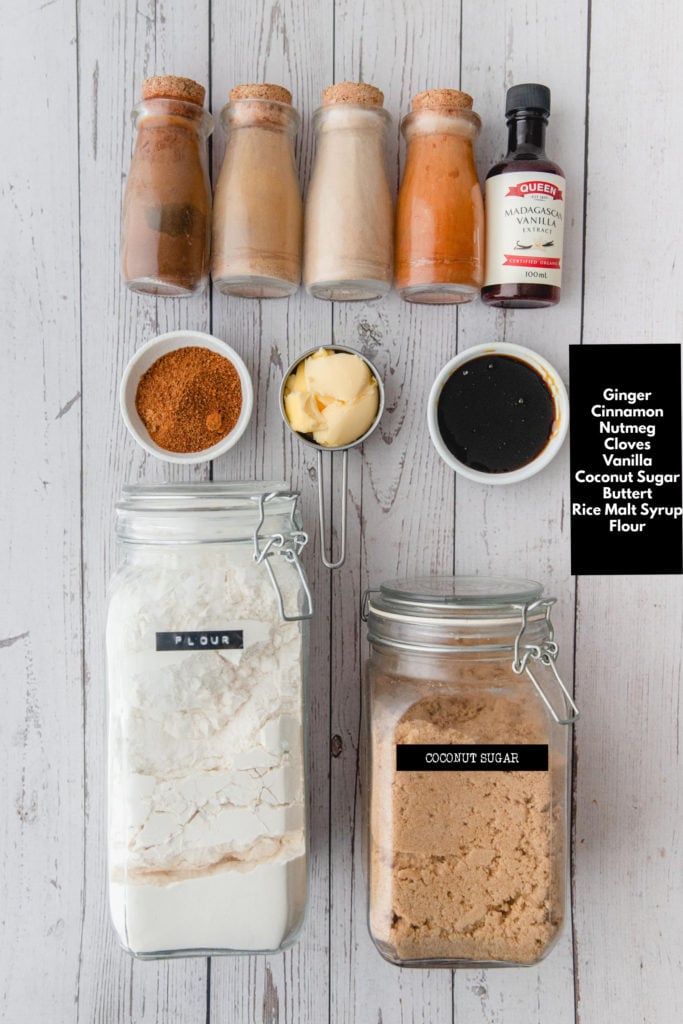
{"points": [[527, 97]]}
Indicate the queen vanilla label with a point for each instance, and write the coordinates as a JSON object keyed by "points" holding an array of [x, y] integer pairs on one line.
{"points": [[525, 218]]}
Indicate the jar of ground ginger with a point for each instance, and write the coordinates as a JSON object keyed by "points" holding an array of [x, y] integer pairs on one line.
{"points": [[440, 210], [348, 217], [466, 740], [258, 214], [166, 232]]}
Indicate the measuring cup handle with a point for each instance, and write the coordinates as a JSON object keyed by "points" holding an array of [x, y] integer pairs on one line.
{"points": [[328, 563]]}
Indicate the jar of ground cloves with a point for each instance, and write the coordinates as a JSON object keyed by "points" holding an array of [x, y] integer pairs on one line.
{"points": [[348, 220], [466, 750], [167, 205], [257, 219], [440, 210]]}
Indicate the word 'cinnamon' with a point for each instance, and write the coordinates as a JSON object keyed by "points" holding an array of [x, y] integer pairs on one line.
{"points": [[189, 399]]}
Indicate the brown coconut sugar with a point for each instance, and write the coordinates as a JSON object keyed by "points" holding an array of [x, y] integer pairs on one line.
{"points": [[189, 399], [464, 865]]}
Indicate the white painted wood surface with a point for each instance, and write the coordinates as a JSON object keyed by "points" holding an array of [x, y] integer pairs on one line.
{"points": [[69, 74]]}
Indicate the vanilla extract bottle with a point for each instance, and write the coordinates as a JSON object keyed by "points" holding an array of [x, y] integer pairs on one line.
{"points": [[525, 195]]}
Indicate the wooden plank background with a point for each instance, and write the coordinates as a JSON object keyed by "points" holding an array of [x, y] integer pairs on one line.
{"points": [[69, 74]]}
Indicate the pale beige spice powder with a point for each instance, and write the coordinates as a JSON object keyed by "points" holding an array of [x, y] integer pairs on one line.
{"points": [[465, 865]]}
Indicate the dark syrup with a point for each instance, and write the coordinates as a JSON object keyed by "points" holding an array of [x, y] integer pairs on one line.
{"points": [[495, 413]]}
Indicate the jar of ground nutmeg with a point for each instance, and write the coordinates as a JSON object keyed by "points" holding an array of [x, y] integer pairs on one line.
{"points": [[166, 231], [466, 751], [257, 219]]}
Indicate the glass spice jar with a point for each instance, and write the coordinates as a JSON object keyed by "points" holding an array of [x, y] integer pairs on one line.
{"points": [[166, 228], [257, 218], [348, 220], [440, 210], [467, 823], [206, 663]]}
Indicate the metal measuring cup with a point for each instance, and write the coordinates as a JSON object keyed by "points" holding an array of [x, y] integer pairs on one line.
{"points": [[343, 448]]}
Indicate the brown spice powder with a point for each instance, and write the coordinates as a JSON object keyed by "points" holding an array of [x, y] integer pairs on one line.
{"points": [[189, 399], [465, 865]]}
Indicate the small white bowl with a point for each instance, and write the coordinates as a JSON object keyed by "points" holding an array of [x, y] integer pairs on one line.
{"points": [[141, 362], [555, 385]]}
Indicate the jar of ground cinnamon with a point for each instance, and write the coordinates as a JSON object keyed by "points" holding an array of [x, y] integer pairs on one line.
{"points": [[167, 204], [257, 217], [348, 222], [440, 211], [466, 730]]}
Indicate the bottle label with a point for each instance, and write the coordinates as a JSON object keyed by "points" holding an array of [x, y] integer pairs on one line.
{"points": [[524, 228]]}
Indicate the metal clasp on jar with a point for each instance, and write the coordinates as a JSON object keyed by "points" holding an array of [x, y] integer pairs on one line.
{"points": [[290, 548], [545, 652]]}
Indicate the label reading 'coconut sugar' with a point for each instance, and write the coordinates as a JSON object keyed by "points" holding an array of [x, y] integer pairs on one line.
{"points": [[201, 640], [471, 757], [525, 228]]}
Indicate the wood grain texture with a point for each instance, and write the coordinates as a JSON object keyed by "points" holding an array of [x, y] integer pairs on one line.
{"points": [[288, 43], [41, 747], [118, 47], [629, 862], [396, 483], [524, 530], [72, 327]]}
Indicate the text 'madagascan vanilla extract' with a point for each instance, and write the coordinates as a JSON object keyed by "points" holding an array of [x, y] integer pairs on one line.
{"points": [[496, 413], [525, 195]]}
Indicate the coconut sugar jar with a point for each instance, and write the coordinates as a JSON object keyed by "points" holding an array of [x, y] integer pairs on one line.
{"points": [[440, 209], [257, 218], [348, 217], [466, 733], [206, 662]]}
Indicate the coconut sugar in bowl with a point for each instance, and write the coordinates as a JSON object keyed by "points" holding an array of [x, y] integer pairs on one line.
{"points": [[186, 397]]}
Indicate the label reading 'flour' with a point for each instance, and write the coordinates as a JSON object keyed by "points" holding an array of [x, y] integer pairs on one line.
{"points": [[201, 640], [472, 757], [524, 228]]}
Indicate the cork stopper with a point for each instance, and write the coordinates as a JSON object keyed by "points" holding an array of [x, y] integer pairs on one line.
{"points": [[170, 87], [442, 99], [261, 91], [357, 93]]}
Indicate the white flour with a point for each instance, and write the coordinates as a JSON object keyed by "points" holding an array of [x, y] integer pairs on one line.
{"points": [[207, 812]]}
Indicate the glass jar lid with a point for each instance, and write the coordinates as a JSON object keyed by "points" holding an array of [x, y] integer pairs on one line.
{"points": [[261, 513], [470, 616], [457, 593]]}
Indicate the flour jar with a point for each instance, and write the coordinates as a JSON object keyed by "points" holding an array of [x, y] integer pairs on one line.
{"points": [[466, 750], [206, 662]]}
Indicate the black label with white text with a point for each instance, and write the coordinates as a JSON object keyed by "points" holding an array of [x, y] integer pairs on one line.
{"points": [[472, 757], [201, 640], [625, 430]]}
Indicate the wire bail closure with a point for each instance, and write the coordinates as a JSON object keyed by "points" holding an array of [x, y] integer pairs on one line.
{"points": [[276, 543], [546, 653]]}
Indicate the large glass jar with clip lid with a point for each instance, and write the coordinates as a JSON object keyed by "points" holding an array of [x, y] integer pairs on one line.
{"points": [[466, 737], [206, 658]]}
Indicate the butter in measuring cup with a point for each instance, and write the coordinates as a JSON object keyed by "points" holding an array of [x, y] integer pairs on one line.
{"points": [[332, 396]]}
